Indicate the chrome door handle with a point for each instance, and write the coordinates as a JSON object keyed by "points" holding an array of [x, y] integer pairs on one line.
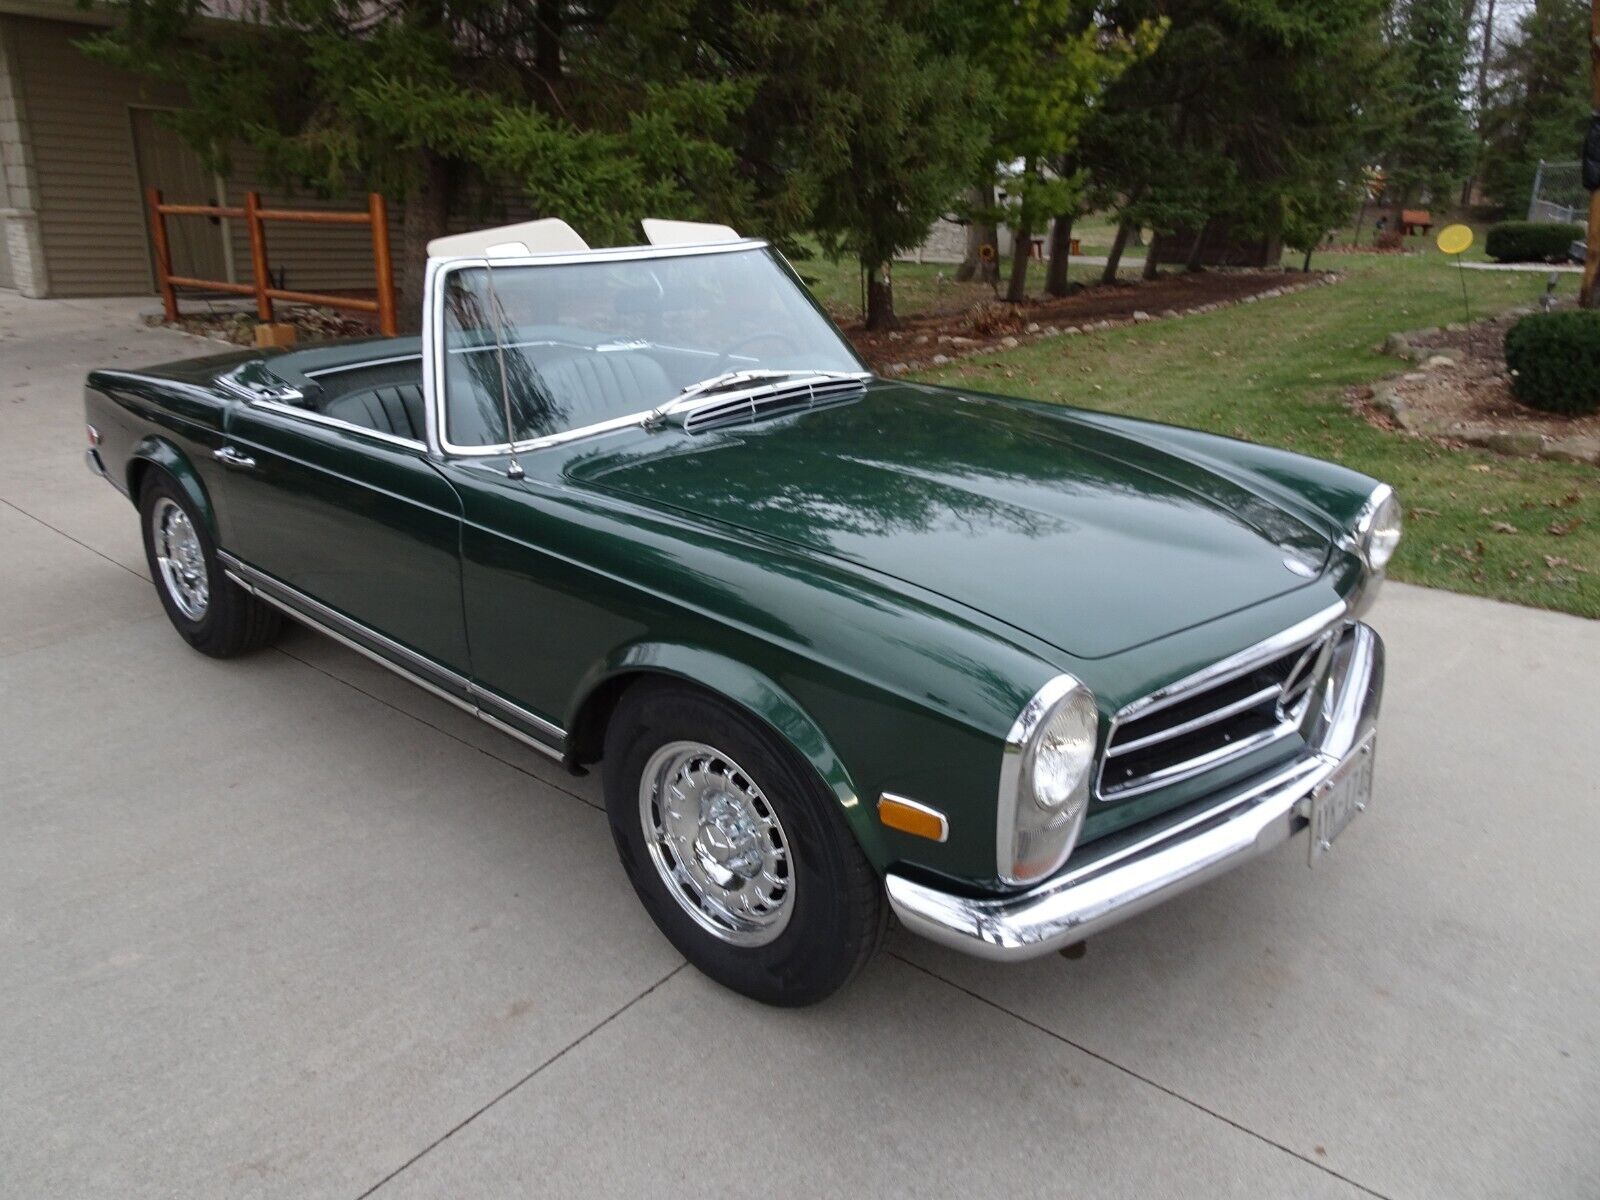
{"points": [[229, 457]]}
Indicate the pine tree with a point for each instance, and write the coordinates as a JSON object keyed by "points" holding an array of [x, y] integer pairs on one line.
{"points": [[1539, 104], [1429, 144], [444, 107]]}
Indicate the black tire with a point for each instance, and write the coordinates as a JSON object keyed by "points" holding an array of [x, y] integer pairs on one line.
{"points": [[839, 915], [233, 622]]}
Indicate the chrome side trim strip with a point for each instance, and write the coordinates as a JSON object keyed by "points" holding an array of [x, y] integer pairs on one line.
{"points": [[1124, 877], [329, 622]]}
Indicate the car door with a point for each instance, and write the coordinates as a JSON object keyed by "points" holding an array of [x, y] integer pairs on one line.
{"points": [[355, 528]]}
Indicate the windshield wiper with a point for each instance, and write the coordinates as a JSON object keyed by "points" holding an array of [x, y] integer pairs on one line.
{"points": [[731, 379]]}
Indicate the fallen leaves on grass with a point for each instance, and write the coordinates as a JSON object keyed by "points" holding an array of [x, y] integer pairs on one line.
{"points": [[1562, 528], [1503, 527]]}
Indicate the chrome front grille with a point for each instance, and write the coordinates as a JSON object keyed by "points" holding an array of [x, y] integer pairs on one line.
{"points": [[1233, 708]]}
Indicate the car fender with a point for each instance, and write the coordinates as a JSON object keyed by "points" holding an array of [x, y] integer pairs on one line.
{"points": [[159, 452], [740, 684]]}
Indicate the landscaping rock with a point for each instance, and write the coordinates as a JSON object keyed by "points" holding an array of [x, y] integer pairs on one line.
{"points": [[1010, 342], [1033, 327], [1396, 345], [939, 360], [1436, 361]]}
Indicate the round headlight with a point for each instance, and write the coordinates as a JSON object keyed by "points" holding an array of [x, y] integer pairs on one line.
{"points": [[1064, 751], [1045, 780], [1379, 532]]}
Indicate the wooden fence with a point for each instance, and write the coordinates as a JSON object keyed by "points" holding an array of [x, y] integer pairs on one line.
{"points": [[255, 218]]}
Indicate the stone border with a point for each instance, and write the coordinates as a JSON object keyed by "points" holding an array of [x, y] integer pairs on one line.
{"points": [[955, 348], [1387, 399]]}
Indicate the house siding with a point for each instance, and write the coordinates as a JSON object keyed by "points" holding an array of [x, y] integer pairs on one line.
{"points": [[90, 213], [91, 227]]}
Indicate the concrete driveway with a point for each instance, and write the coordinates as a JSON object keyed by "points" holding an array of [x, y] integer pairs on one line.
{"points": [[286, 926]]}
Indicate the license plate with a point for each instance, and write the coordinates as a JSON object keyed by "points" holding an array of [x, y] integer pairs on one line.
{"points": [[1335, 801]]}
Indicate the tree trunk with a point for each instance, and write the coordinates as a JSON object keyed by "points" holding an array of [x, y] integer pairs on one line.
{"points": [[1021, 249], [880, 298], [426, 215], [1118, 245], [1361, 216], [1482, 106], [1021, 242], [1192, 265], [547, 40], [1055, 280], [981, 232], [1305, 267], [1589, 292], [1149, 271]]}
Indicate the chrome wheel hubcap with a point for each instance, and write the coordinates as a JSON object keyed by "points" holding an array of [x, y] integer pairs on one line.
{"points": [[716, 843], [180, 559]]}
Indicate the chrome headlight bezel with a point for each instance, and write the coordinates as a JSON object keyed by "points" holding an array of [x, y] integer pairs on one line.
{"points": [[1063, 703], [1378, 528]]}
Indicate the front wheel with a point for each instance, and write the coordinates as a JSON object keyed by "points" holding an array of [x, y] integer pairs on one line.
{"points": [[212, 613], [736, 848]]}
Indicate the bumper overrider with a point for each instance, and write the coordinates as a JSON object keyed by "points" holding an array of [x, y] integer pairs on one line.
{"points": [[1114, 878]]}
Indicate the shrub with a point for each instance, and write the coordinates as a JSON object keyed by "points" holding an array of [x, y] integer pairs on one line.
{"points": [[1530, 241], [1554, 360]]}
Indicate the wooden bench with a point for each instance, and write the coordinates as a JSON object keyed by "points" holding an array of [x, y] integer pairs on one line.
{"points": [[1415, 220]]}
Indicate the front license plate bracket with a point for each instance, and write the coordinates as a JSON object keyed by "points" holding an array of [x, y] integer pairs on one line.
{"points": [[1334, 802]]}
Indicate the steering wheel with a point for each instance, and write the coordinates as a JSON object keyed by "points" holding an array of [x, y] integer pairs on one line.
{"points": [[776, 336]]}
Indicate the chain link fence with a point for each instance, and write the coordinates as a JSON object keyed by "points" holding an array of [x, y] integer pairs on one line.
{"points": [[1558, 193]]}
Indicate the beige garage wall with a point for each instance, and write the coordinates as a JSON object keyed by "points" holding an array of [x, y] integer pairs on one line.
{"points": [[92, 223]]}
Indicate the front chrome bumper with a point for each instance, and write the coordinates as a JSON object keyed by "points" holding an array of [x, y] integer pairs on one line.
{"points": [[1112, 879]]}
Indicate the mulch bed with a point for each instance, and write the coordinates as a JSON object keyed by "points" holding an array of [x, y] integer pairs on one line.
{"points": [[239, 327], [1461, 392], [931, 340]]}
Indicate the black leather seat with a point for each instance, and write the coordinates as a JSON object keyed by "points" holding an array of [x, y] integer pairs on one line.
{"points": [[395, 408], [607, 385]]}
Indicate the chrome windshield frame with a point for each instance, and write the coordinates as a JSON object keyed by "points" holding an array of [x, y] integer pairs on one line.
{"points": [[439, 271]]}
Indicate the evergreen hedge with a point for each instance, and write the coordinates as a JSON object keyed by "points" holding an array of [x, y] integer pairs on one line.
{"points": [[1530, 241], [1554, 360]]}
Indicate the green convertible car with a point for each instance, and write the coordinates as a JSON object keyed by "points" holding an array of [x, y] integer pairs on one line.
{"points": [[844, 646]]}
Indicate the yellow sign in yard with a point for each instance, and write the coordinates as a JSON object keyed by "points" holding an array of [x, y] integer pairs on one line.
{"points": [[1454, 239]]}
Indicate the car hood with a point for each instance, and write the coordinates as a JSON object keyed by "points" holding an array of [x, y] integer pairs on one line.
{"points": [[1086, 539]]}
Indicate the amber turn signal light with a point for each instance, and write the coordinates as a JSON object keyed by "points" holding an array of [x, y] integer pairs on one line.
{"points": [[908, 816]]}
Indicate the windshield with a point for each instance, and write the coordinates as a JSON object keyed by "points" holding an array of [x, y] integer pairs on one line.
{"points": [[588, 342]]}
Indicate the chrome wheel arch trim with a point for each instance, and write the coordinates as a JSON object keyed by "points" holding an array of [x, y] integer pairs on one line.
{"points": [[448, 685]]}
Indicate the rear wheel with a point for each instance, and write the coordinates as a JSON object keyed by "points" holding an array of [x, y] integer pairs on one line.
{"points": [[736, 848], [212, 613]]}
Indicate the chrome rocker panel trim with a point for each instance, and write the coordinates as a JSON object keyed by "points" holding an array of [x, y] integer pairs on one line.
{"points": [[1115, 879], [428, 675]]}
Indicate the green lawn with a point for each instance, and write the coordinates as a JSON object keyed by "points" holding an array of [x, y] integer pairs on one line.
{"points": [[1275, 372]]}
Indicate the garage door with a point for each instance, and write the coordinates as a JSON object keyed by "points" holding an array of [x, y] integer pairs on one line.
{"points": [[166, 162]]}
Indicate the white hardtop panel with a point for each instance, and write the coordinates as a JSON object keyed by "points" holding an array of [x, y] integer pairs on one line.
{"points": [[549, 236], [685, 233]]}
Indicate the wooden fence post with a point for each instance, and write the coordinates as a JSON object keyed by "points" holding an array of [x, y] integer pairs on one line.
{"points": [[258, 255], [378, 213], [163, 249]]}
